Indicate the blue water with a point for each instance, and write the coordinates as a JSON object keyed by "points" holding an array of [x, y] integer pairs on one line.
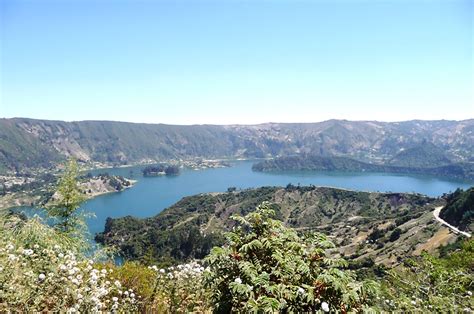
{"points": [[150, 195]]}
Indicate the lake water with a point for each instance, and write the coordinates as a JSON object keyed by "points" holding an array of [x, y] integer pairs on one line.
{"points": [[150, 195]]}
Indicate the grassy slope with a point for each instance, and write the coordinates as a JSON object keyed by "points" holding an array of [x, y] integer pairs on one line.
{"points": [[191, 226]]}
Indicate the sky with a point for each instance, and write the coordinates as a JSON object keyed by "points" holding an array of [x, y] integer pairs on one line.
{"points": [[226, 62]]}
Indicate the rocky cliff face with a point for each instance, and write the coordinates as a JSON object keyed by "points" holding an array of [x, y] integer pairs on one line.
{"points": [[45, 142]]}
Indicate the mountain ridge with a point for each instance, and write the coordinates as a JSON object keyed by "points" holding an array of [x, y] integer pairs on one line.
{"points": [[118, 143]]}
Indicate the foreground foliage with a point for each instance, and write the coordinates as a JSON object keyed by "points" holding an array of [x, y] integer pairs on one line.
{"points": [[268, 267], [431, 283], [39, 273]]}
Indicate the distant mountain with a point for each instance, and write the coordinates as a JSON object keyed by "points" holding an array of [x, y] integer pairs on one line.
{"points": [[422, 155], [332, 163], [384, 226], [27, 143]]}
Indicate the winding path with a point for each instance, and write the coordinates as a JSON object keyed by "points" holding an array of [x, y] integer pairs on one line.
{"points": [[456, 230]]}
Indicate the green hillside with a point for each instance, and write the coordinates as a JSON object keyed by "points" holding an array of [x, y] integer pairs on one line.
{"points": [[324, 163], [459, 209], [43, 142], [192, 226]]}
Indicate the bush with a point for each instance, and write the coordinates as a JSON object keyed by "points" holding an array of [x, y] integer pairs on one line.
{"points": [[268, 267], [38, 273]]}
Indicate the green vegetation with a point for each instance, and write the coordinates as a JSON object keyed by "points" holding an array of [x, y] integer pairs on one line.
{"points": [[266, 267], [459, 209], [424, 155], [261, 265], [63, 209], [333, 163], [169, 170], [431, 284], [29, 144], [191, 227]]}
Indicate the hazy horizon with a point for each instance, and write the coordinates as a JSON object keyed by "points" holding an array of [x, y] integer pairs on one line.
{"points": [[224, 124], [236, 62]]}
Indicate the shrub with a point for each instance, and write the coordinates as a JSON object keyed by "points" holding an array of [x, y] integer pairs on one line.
{"points": [[268, 267], [38, 273]]}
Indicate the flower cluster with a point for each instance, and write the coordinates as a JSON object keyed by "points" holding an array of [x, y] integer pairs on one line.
{"points": [[180, 288], [53, 279]]}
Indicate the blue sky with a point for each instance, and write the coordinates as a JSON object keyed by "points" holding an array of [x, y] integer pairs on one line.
{"points": [[222, 62]]}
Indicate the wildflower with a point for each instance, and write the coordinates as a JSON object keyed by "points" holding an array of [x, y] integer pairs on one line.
{"points": [[132, 295], [469, 293], [117, 284], [162, 271], [104, 271], [238, 280], [115, 299], [27, 252], [300, 290], [42, 276], [10, 247], [36, 246], [325, 307], [413, 302], [12, 257]]}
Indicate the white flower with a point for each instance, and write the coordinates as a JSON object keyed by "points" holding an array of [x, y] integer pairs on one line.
{"points": [[115, 299], [413, 302], [10, 247], [36, 246], [104, 271], [79, 296], [325, 307], [27, 252], [238, 280], [162, 271], [132, 295], [12, 257], [42, 276], [300, 290], [469, 293], [117, 284]]}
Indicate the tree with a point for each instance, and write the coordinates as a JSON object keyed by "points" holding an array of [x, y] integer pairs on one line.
{"points": [[266, 267], [64, 209]]}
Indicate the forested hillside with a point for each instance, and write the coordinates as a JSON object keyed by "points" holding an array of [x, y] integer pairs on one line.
{"points": [[385, 226], [459, 210], [42, 142], [411, 165]]}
